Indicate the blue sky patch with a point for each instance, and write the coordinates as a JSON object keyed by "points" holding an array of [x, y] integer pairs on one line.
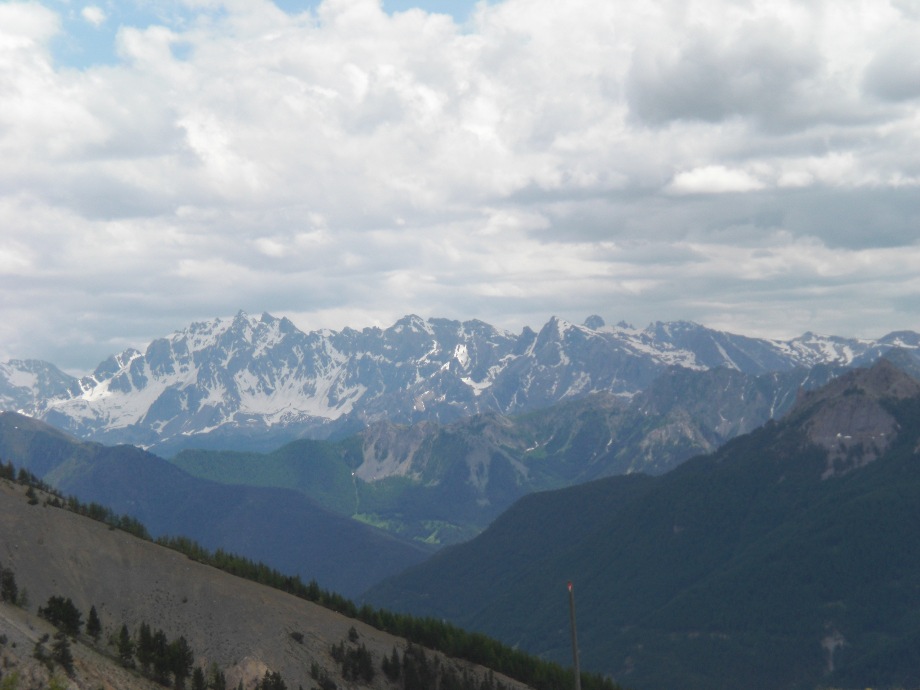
{"points": [[89, 30]]}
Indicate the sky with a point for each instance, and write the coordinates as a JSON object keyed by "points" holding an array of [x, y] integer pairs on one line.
{"points": [[751, 165]]}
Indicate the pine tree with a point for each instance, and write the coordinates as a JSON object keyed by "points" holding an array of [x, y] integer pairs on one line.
{"points": [[181, 660], [7, 471], [39, 652], [392, 666], [198, 679], [60, 652], [8, 590], [271, 681], [93, 625], [216, 678], [162, 663], [63, 614], [125, 647], [145, 647]]}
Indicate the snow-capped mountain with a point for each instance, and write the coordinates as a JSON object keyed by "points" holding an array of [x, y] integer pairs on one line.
{"points": [[260, 377], [25, 383]]}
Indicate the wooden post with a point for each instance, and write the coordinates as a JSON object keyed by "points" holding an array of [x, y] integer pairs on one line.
{"points": [[574, 637]]}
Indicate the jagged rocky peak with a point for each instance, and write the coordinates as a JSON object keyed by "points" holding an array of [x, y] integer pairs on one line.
{"points": [[242, 325], [477, 326], [299, 383], [413, 324], [847, 417], [560, 329], [243, 330], [668, 329], [201, 334], [24, 382]]}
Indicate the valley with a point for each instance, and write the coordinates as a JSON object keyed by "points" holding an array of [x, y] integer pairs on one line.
{"points": [[712, 496]]}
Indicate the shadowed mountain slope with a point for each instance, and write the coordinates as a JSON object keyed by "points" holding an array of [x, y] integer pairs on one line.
{"points": [[787, 559], [280, 527], [444, 483]]}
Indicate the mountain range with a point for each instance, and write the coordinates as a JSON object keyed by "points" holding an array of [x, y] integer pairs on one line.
{"points": [[785, 559], [254, 383], [697, 572], [444, 483]]}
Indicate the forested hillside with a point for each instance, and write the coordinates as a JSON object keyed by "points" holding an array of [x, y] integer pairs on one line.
{"points": [[787, 559], [442, 484]]}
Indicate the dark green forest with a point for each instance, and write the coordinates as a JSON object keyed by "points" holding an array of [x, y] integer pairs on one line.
{"points": [[710, 574]]}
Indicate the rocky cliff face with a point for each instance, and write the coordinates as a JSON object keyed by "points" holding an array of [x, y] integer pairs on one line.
{"points": [[849, 418]]}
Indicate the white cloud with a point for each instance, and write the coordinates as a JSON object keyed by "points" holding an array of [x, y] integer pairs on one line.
{"points": [[93, 14], [348, 166], [25, 27], [713, 179]]}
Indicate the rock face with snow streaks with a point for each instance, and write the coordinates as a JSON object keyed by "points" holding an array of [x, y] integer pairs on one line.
{"points": [[260, 381], [26, 382]]}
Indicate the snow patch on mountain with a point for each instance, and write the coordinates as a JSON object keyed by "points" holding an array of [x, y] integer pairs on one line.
{"points": [[246, 373], [462, 355], [18, 378]]}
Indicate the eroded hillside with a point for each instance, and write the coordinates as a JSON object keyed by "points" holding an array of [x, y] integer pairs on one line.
{"points": [[244, 628]]}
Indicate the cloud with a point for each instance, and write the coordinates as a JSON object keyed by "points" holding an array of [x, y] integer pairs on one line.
{"points": [[760, 67], [93, 14], [894, 72], [713, 179], [346, 166], [26, 27]]}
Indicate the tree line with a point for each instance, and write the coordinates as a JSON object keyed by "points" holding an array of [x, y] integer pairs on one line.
{"points": [[428, 632], [56, 499], [413, 669]]}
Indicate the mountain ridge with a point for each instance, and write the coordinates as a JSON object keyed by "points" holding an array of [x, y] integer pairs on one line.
{"points": [[444, 483], [751, 567], [260, 381]]}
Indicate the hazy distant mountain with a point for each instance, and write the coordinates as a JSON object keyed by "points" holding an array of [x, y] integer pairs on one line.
{"points": [[254, 383], [27, 383], [445, 483], [280, 527], [787, 559]]}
